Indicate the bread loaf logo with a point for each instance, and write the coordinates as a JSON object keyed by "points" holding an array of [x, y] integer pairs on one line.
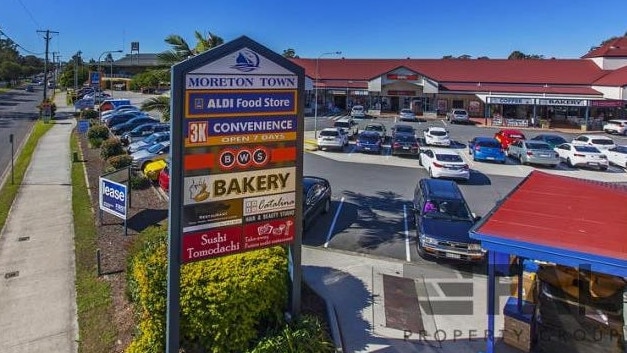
{"points": [[198, 191]]}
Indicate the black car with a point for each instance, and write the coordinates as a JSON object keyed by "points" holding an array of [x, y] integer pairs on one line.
{"points": [[131, 124], [316, 198], [443, 221], [121, 118], [405, 144], [143, 130], [29, 88]]}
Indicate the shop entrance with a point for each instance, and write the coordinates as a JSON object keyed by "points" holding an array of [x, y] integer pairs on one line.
{"points": [[394, 104]]}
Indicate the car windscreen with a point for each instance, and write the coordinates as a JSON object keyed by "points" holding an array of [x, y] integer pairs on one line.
{"points": [[537, 146], [405, 138], [329, 133], [342, 124], [602, 142], [490, 144], [517, 136], [451, 209], [404, 129], [586, 149], [460, 112], [621, 149], [556, 140], [357, 108], [374, 128], [437, 133], [442, 157], [406, 111], [155, 148], [369, 138]]}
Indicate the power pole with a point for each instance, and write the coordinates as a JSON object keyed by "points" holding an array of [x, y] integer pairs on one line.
{"points": [[47, 38], [55, 57]]}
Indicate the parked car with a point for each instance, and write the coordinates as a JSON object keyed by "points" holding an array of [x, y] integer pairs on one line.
{"points": [[403, 129], [142, 131], [129, 125], [552, 139], [121, 109], [29, 88], [443, 221], [407, 115], [533, 152], [444, 163], [582, 156], [316, 198], [164, 177], [368, 141], [378, 128], [616, 126], [486, 149], [405, 144], [157, 151], [153, 169], [358, 112], [349, 126], [507, 136], [617, 156], [600, 142], [456, 116], [148, 141], [436, 136], [332, 137]]}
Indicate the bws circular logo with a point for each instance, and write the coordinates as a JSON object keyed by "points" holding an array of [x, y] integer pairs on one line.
{"points": [[246, 61], [243, 157]]}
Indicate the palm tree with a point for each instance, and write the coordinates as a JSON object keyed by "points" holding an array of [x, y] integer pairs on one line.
{"points": [[160, 104], [206, 42]]}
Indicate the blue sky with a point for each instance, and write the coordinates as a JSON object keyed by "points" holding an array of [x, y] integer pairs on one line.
{"points": [[358, 28]]}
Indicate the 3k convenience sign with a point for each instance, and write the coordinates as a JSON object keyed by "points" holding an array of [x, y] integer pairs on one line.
{"points": [[237, 159]]}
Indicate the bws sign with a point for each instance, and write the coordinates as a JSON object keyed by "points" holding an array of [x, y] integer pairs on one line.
{"points": [[113, 198]]}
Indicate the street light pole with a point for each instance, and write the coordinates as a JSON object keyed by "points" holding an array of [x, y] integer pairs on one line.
{"points": [[316, 91], [100, 57], [77, 59]]}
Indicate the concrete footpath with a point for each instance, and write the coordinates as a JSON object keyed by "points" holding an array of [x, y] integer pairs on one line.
{"points": [[37, 295]]}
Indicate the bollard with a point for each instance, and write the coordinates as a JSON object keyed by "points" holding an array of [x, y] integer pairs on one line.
{"points": [[75, 156]]}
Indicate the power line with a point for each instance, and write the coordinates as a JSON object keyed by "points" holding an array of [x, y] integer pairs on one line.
{"points": [[29, 13], [18, 44]]}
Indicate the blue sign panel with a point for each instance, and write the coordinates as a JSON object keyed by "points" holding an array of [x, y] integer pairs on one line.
{"points": [[94, 78], [238, 126], [113, 198], [83, 126], [203, 103]]}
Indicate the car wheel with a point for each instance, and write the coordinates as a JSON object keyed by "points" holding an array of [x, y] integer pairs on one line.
{"points": [[603, 168], [327, 206], [430, 173], [521, 159], [419, 160], [554, 165], [421, 252], [569, 163]]}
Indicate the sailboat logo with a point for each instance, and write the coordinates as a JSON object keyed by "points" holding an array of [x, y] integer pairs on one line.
{"points": [[246, 61]]}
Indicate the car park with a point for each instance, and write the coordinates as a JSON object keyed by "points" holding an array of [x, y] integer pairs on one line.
{"points": [[316, 198], [458, 116], [378, 128], [600, 142], [443, 221], [358, 112], [407, 115], [533, 152], [403, 129], [552, 139], [142, 131], [444, 163], [582, 156], [405, 144], [129, 125], [436, 136], [368, 141], [348, 125], [333, 138], [616, 126], [486, 149], [507, 136], [157, 151], [617, 156], [148, 141]]}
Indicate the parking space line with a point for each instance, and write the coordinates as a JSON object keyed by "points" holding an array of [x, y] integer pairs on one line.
{"points": [[407, 254], [337, 213]]}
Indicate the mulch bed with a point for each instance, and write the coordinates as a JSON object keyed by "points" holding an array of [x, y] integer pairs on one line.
{"points": [[148, 208]]}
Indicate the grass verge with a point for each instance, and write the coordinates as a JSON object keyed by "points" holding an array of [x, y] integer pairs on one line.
{"points": [[9, 191], [93, 295]]}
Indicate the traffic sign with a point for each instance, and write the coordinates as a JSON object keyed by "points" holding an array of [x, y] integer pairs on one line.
{"points": [[94, 78]]}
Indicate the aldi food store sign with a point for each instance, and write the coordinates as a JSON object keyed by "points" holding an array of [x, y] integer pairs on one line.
{"points": [[236, 170]]}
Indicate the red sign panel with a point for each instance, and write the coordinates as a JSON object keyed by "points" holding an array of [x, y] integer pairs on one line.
{"points": [[402, 77], [268, 233], [401, 93]]}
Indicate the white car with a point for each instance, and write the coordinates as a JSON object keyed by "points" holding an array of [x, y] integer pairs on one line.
{"points": [[332, 137], [617, 156], [444, 163], [358, 112], [582, 156], [598, 141], [437, 136], [616, 126], [349, 126]]}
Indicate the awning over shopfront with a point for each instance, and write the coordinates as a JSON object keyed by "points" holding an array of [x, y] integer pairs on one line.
{"points": [[567, 221]]}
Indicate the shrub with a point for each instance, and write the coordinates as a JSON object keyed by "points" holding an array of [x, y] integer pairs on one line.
{"points": [[90, 114], [95, 142], [139, 181], [98, 131], [111, 147], [223, 300], [120, 161], [306, 335]]}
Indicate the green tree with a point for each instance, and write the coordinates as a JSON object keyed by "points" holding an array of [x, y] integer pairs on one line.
{"points": [[206, 42], [10, 71], [518, 55], [160, 104], [290, 53]]}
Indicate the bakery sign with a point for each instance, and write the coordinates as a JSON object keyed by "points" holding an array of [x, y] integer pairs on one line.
{"points": [[236, 151]]}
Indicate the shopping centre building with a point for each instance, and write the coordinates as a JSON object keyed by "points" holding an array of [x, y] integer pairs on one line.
{"points": [[588, 90]]}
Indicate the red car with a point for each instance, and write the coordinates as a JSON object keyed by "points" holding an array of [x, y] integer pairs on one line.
{"points": [[164, 178], [507, 136]]}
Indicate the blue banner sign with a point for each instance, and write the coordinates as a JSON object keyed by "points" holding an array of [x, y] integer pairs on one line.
{"points": [[238, 126], [113, 198], [202, 104], [94, 79], [83, 126]]}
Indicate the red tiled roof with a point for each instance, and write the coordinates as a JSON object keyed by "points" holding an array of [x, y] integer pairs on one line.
{"points": [[549, 71], [513, 88], [617, 77], [613, 48]]}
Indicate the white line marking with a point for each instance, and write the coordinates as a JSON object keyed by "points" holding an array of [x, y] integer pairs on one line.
{"points": [[337, 213], [407, 255]]}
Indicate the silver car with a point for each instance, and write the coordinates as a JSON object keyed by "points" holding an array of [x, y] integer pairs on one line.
{"points": [[458, 116], [533, 152], [141, 158]]}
